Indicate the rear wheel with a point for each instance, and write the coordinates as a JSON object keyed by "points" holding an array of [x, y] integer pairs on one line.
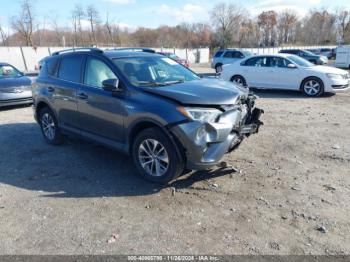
{"points": [[313, 87], [239, 80], [156, 157], [218, 68], [49, 127]]}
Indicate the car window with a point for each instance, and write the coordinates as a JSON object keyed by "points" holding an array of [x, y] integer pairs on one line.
{"points": [[7, 71], [218, 54], [70, 68], [237, 55], [278, 62], [228, 54], [257, 61], [96, 72], [51, 65]]}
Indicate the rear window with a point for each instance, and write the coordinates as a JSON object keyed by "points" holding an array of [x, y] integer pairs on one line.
{"points": [[70, 68], [219, 53]]}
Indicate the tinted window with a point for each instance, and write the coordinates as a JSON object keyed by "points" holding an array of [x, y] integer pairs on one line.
{"points": [[96, 72], [278, 62], [51, 65], [70, 68], [229, 54], [256, 61], [289, 51], [237, 55], [219, 53]]}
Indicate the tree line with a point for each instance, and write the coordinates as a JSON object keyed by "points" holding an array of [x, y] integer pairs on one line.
{"points": [[230, 25]]}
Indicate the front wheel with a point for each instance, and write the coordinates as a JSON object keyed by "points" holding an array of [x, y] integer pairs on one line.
{"points": [[239, 80], [156, 157], [313, 87]]}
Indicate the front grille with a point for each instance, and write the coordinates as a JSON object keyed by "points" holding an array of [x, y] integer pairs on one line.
{"points": [[15, 90], [346, 76]]}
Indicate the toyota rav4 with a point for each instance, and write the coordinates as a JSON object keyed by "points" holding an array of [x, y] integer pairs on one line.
{"points": [[146, 105]]}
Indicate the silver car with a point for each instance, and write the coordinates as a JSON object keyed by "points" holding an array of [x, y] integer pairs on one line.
{"points": [[227, 56], [15, 87]]}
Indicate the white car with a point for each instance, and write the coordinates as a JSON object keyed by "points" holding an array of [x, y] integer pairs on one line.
{"points": [[286, 71]]}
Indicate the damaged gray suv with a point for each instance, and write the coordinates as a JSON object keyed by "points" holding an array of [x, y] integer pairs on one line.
{"points": [[146, 105]]}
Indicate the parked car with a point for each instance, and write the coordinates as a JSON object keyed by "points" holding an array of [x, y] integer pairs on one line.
{"points": [[314, 51], [227, 56], [327, 52], [173, 56], [284, 71], [15, 87], [343, 57], [313, 58], [162, 114]]}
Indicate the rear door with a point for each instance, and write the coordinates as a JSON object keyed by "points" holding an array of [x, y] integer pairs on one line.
{"points": [[255, 71], [100, 113], [63, 90]]}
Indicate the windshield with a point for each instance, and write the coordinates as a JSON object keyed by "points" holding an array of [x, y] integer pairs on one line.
{"points": [[7, 71], [153, 71], [307, 52], [300, 61], [246, 53]]}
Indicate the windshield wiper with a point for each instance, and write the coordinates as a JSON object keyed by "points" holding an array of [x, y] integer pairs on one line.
{"points": [[150, 83], [154, 83]]}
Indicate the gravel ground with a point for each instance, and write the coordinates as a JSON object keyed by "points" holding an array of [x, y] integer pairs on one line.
{"points": [[291, 196]]}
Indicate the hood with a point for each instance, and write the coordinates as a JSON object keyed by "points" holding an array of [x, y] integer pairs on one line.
{"points": [[22, 81], [201, 92], [328, 70]]}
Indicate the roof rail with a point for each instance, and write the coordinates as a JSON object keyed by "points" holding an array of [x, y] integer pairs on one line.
{"points": [[81, 49], [134, 49]]}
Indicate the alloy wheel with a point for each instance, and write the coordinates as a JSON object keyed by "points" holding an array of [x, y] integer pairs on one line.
{"points": [[153, 157], [312, 87], [48, 126]]}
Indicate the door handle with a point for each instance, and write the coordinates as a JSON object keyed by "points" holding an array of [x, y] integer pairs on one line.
{"points": [[51, 89], [83, 96]]}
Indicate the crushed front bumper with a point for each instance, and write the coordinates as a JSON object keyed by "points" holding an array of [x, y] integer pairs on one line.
{"points": [[206, 143]]}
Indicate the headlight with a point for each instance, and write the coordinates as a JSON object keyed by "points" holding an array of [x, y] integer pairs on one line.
{"points": [[334, 76], [206, 115]]}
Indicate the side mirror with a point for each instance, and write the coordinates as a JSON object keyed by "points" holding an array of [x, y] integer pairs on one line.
{"points": [[292, 66], [111, 85]]}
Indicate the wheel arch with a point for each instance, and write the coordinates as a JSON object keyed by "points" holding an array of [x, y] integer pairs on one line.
{"points": [[139, 126], [40, 105], [310, 77]]}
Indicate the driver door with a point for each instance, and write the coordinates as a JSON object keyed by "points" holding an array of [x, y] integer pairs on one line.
{"points": [[100, 113]]}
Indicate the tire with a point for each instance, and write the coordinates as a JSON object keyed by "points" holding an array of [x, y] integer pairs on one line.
{"points": [[239, 80], [49, 127], [156, 156], [312, 87], [218, 68]]}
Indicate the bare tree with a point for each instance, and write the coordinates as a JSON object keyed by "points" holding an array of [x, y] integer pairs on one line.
{"points": [[94, 20], [4, 36], [226, 19], [267, 22], [77, 18], [343, 24], [286, 26], [23, 23]]}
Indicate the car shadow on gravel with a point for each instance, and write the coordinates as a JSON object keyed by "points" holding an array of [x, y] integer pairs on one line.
{"points": [[286, 94], [76, 169]]}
